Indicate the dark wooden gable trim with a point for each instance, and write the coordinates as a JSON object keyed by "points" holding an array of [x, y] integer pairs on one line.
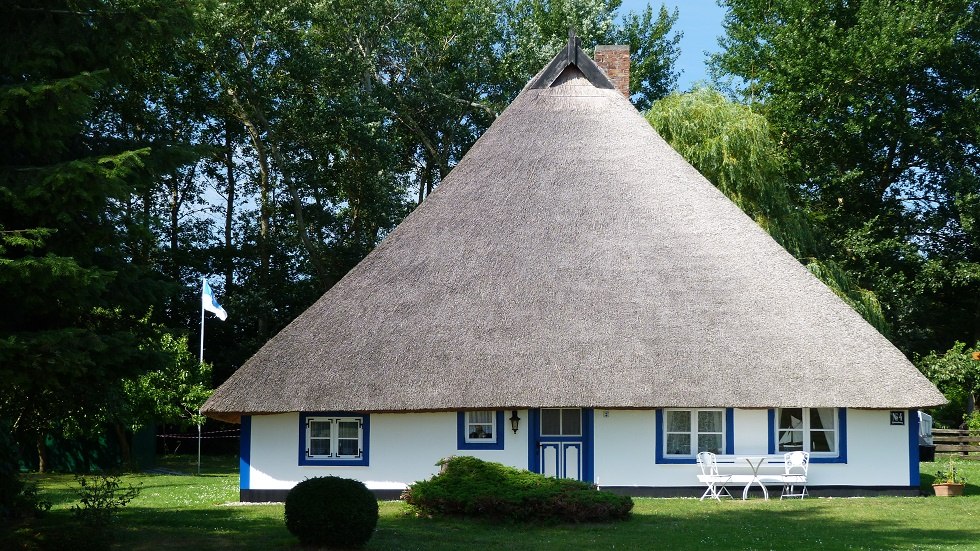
{"points": [[572, 54]]}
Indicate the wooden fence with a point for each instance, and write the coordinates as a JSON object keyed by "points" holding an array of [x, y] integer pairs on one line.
{"points": [[964, 442]]}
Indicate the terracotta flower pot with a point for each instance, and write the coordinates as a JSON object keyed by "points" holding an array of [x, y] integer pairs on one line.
{"points": [[946, 490]]}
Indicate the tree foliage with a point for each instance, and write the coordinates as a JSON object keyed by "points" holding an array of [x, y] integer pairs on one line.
{"points": [[172, 394], [534, 31], [150, 142], [72, 286], [329, 121], [957, 374], [876, 107], [734, 148]]}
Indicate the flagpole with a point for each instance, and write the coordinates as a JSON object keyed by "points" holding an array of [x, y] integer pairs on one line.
{"points": [[209, 303], [199, 411], [202, 331]]}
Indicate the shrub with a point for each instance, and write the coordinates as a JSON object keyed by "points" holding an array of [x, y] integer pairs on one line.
{"points": [[101, 497], [972, 421], [471, 487], [330, 511]]}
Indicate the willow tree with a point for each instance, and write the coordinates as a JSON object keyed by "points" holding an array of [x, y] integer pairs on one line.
{"points": [[736, 150]]}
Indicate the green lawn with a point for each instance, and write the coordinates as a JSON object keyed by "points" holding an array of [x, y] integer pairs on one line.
{"points": [[190, 512]]}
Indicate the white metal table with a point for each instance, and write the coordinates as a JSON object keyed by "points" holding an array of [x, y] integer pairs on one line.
{"points": [[754, 462]]}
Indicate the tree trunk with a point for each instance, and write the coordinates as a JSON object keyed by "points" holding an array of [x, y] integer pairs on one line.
{"points": [[124, 449], [174, 229], [230, 209], [42, 454]]}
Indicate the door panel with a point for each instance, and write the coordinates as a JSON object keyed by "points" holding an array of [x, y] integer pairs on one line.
{"points": [[549, 458], [572, 464], [561, 459]]}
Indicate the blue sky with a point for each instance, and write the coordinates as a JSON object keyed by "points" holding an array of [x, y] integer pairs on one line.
{"points": [[700, 20]]}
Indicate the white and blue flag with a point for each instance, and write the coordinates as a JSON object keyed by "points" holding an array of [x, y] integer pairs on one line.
{"points": [[210, 303]]}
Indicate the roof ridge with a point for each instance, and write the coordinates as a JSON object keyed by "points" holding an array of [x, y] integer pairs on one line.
{"points": [[571, 54]]}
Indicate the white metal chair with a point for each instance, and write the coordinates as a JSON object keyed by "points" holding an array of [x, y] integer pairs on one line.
{"points": [[710, 476], [794, 474]]}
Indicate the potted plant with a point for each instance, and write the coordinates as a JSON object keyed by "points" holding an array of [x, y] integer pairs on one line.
{"points": [[948, 481]]}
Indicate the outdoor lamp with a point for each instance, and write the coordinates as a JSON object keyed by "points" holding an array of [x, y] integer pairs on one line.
{"points": [[515, 421]]}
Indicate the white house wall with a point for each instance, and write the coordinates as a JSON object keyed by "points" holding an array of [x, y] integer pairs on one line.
{"points": [[625, 444], [404, 448]]}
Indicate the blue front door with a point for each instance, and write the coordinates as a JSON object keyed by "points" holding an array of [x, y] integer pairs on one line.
{"points": [[561, 443]]}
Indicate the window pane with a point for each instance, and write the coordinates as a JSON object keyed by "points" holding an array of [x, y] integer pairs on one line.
{"points": [[347, 429], [822, 418], [320, 429], [822, 441], [481, 431], [790, 440], [678, 421], [551, 422], [571, 422], [319, 446], [347, 447], [348, 438], [709, 443], [709, 421], [791, 418], [480, 417], [679, 444]]}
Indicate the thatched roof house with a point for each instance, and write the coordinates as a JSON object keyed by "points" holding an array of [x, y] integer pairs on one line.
{"points": [[573, 258]]}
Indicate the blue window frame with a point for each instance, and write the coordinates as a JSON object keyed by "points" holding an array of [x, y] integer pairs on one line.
{"points": [[814, 430], [680, 442], [334, 438], [480, 430]]}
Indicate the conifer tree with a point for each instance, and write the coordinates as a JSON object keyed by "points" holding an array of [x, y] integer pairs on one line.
{"points": [[71, 291]]}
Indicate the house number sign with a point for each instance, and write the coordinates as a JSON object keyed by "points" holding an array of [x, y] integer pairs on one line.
{"points": [[897, 417]]}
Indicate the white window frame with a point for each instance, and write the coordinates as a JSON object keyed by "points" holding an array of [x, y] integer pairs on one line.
{"points": [[492, 438], [693, 431], [334, 453], [806, 430]]}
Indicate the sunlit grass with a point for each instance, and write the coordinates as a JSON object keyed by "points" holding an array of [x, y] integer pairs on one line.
{"points": [[196, 512]]}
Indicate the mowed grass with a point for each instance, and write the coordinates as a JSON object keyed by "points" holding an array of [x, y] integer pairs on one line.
{"points": [[193, 512]]}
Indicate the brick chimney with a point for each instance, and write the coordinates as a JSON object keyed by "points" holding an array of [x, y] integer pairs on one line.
{"points": [[615, 62]]}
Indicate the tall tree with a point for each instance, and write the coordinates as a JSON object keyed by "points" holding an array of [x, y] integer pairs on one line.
{"points": [[876, 106], [72, 280]]}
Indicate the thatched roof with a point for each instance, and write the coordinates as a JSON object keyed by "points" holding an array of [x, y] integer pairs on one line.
{"points": [[573, 258]]}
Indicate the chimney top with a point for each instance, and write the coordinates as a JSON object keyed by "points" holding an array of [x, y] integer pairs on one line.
{"points": [[614, 60]]}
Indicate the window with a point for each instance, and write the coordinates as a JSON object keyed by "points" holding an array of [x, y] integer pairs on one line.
{"points": [[480, 430], [689, 431], [480, 426], [333, 439], [812, 430], [561, 422]]}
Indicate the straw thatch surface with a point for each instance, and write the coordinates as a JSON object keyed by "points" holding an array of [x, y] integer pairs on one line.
{"points": [[574, 259]]}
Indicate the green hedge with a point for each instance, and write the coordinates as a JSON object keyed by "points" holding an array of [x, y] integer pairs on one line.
{"points": [[468, 486]]}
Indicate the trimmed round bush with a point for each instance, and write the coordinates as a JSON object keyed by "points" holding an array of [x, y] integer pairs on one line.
{"points": [[467, 486], [330, 511]]}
